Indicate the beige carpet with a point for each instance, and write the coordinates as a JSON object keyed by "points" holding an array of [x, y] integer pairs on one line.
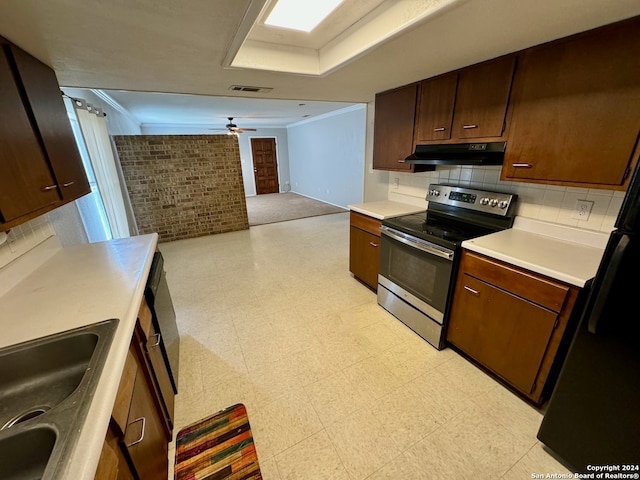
{"points": [[280, 207]]}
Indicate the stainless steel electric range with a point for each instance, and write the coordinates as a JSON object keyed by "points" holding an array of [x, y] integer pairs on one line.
{"points": [[419, 253]]}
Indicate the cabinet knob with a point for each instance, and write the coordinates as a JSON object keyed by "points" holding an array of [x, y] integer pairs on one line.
{"points": [[49, 187], [374, 244], [144, 424], [468, 127]]}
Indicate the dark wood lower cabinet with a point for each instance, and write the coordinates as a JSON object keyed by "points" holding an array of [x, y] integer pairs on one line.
{"points": [[364, 248], [144, 438], [510, 321], [141, 423]]}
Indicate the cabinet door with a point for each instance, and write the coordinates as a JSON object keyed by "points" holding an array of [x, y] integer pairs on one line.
{"points": [[482, 98], [364, 256], [26, 181], [144, 438], [575, 109], [45, 100], [505, 333], [158, 367], [435, 108], [393, 128]]}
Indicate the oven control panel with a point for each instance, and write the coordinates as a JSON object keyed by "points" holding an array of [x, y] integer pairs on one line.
{"points": [[497, 203]]}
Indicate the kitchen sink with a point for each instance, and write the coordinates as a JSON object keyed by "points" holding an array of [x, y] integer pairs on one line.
{"points": [[26, 454], [46, 387]]}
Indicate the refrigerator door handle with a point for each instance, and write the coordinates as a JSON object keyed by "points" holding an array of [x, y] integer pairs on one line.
{"points": [[607, 283]]}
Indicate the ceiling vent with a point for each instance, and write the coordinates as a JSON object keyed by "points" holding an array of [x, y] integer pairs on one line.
{"points": [[246, 88]]}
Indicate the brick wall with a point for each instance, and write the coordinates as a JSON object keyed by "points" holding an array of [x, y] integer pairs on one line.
{"points": [[184, 186]]}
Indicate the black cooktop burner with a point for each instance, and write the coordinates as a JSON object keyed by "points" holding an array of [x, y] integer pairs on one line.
{"points": [[455, 214], [446, 233]]}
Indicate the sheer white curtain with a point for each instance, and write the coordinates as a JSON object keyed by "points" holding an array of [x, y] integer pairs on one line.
{"points": [[96, 138]]}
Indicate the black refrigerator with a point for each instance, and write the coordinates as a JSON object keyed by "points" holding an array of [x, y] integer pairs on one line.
{"points": [[593, 415]]}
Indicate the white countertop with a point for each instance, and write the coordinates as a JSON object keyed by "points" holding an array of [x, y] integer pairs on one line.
{"points": [[73, 287], [565, 253], [385, 209]]}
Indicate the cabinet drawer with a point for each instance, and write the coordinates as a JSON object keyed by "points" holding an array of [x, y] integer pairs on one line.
{"points": [[539, 290], [366, 223]]}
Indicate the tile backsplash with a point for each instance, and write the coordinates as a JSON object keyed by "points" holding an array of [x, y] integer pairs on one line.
{"points": [[24, 237], [549, 203]]}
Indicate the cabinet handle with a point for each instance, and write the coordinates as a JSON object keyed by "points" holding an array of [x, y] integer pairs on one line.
{"points": [[68, 184], [401, 161], [49, 187], [468, 127], [144, 425], [157, 335], [471, 290], [374, 244], [439, 129], [521, 165]]}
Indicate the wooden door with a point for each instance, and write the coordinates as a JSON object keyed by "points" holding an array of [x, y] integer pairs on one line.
{"points": [[265, 165], [395, 112], [482, 97], [435, 108]]}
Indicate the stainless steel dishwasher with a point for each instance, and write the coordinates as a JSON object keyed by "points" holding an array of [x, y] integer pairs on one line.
{"points": [[164, 317]]}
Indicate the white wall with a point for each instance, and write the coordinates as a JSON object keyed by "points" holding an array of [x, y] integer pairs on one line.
{"points": [[376, 182], [326, 156], [549, 203]]}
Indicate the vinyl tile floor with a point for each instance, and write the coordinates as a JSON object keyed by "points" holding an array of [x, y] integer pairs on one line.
{"points": [[336, 388]]}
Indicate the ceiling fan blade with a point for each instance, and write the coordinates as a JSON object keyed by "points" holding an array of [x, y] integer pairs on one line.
{"points": [[245, 130]]}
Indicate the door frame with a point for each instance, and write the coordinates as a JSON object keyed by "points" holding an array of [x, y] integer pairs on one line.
{"points": [[253, 177]]}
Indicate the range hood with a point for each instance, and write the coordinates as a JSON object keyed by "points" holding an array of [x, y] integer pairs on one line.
{"points": [[487, 153]]}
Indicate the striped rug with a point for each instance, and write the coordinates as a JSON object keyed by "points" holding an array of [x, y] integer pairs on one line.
{"points": [[218, 447]]}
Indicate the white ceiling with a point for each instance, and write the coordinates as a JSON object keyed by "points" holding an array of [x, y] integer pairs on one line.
{"points": [[167, 109], [180, 46]]}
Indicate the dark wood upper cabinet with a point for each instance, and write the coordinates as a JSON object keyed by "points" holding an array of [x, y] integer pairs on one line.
{"points": [[45, 98], [40, 165], [393, 128], [466, 104], [576, 105], [26, 180], [435, 108], [482, 98]]}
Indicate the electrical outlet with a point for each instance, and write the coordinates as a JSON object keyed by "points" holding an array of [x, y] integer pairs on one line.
{"points": [[582, 209], [396, 183]]}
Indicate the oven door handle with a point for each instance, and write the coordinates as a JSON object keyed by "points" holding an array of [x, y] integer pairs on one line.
{"points": [[420, 244]]}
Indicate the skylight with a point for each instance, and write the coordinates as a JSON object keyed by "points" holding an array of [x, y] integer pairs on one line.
{"points": [[301, 15]]}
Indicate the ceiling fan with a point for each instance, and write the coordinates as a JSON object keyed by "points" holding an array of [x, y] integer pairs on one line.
{"points": [[233, 129]]}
